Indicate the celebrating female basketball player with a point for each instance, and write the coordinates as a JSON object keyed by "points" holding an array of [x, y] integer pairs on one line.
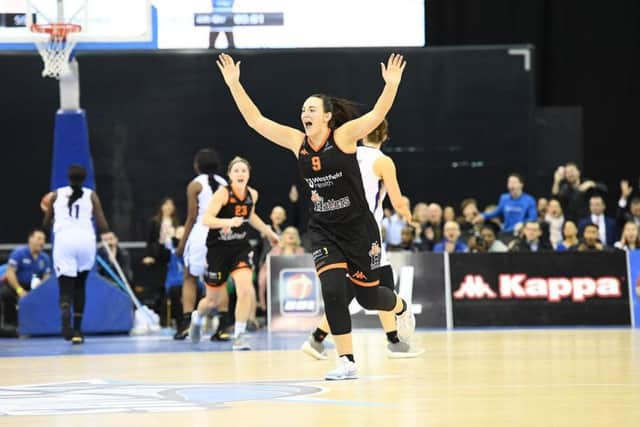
{"points": [[72, 209], [379, 178], [344, 234], [229, 214], [193, 245]]}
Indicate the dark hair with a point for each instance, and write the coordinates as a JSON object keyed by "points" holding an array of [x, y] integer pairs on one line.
{"points": [[76, 174], [35, 230], [208, 162], [574, 164], [380, 134], [635, 201], [590, 225], [491, 226], [342, 110], [517, 176], [597, 196], [174, 216], [467, 202]]}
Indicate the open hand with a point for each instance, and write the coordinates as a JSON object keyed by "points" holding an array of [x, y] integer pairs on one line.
{"points": [[229, 68], [392, 73]]}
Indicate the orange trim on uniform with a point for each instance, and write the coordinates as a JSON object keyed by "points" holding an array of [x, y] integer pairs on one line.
{"points": [[213, 285], [332, 267], [365, 284], [309, 140], [239, 266], [233, 191]]}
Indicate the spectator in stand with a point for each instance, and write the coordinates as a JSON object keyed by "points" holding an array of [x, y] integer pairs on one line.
{"points": [[121, 254], [531, 240], [555, 220], [431, 229], [487, 240], [393, 226], [407, 241], [542, 206], [570, 240], [515, 207], [289, 245], [629, 240], [451, 242], [469, 209], [572, 192], [607, 230], [449, 214], [27, 267], [590, 240], [628, 211]]}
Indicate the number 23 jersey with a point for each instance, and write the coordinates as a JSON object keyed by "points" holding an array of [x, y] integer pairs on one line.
{"points": [[237, 205]]}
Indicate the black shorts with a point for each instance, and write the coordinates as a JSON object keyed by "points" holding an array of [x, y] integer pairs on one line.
{"points": [[355, 247], [223, 260]]}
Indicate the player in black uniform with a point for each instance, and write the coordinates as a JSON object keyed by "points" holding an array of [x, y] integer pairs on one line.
{"points": [[229, 214], [344, 234]]}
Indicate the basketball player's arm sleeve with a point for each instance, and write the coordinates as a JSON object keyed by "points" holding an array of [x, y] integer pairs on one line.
{"points": [[192, 212], [48, 214], [101, 221], [281, 135], [385, 168], [210, 218]]}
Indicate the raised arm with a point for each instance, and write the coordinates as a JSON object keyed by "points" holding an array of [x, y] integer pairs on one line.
{"points": [[211, 219], [257, 223], [284, 136], [347, 135], [385, 168], [193, 189]]}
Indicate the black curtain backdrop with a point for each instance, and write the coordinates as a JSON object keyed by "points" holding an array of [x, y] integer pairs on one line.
{"points": [[587, 54]]}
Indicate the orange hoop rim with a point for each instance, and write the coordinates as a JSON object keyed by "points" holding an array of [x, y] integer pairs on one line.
{"points": [[56, 30]]}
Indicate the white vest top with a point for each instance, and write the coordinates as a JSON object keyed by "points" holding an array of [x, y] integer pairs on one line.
{"points": [[78, 217], [204, 197], [374, 189]]}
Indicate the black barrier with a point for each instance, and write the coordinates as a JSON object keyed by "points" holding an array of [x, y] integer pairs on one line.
{"points": [[419, 277], [539, 289]]}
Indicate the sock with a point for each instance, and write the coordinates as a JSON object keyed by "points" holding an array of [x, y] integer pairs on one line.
{"points": [[240, 328], [186, 319], [404, 308], [319, 335], [350, 357], [196, 318], [392, 337]]}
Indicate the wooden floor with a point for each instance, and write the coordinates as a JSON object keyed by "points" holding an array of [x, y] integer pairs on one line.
{"points": [[469, 378]]}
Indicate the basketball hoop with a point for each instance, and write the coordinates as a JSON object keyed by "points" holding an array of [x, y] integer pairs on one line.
{"points": [[56, 46]]}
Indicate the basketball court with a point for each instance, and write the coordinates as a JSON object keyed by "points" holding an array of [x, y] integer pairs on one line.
{"points": [[553, 377]]}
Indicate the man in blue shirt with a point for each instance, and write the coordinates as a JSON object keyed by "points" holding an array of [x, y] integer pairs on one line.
{"points": [[27, 264], [515, 207], [451, 242]]}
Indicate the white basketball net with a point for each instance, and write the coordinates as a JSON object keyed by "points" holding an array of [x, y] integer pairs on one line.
{"points": [[55, 53]]}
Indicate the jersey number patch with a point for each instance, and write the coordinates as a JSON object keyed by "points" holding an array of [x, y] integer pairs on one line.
{"points": [[241, 210], [316, 165]]}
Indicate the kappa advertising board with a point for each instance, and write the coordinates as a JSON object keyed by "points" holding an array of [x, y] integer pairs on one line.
{"points": [[295, 295], [532, 289]]}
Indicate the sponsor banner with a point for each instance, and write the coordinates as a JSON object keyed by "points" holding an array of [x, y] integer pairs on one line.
{"points": [[419, 278], [295, 296], [634, 275], [293, 293], [539, 289]]}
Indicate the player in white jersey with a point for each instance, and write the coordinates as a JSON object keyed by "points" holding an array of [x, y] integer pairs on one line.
{"points": [[72, 209], [378, 173], [193, 245]]}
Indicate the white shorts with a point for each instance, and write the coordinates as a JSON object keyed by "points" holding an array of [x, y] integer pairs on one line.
{"points": [[73, 252], [195, 251]]}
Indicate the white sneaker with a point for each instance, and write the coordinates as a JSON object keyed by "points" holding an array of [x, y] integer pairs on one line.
{"points": [[402, 350], [406, 323], [240, 343], [194, 329], [314, 349], [346, 370]]}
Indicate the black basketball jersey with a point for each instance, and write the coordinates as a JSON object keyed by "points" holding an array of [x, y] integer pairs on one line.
{"points": [[237, 205], [335, 183]]}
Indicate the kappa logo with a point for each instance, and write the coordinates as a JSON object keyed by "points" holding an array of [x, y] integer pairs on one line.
{"points": [[304, 152], [359, 275], [553, 289], [100, 396]]}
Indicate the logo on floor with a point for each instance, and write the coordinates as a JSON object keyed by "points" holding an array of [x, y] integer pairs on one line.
{"points": [[101, 396]]}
